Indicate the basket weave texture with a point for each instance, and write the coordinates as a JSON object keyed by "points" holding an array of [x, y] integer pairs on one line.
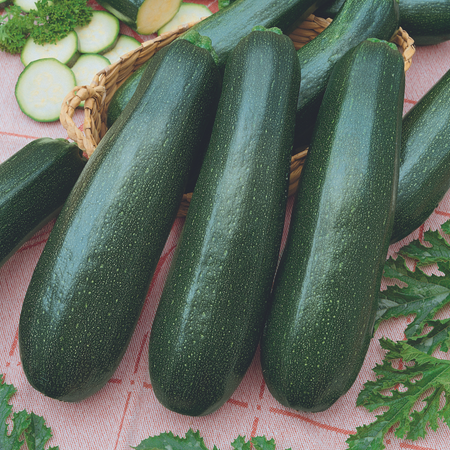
{"points": [[97, 96]]}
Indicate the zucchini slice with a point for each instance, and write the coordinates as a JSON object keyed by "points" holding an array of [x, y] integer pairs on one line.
{"points": [[87, 65], [143, 16], [100, 34], [188, 12], [123, 45], [25, 5], [65, 50], [41, 88]]}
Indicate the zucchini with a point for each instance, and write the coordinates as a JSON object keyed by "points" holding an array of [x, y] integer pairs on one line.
{"points": [[123, 45], [188, 13], [424, 159], [226, 28], [229, 25], [330, 9], [65, 50], [90, 283], [211, 312], [34, 184], [87, 65], [100, 35], [123, 95], [325, 292], [355, 21], [41, 88], [426, 21], [143, 16]]}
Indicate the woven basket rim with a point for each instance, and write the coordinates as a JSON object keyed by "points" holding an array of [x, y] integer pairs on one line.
{"points": [[98, 94]]}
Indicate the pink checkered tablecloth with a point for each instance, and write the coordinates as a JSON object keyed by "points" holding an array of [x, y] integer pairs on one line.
{"points": [[126, 411]]}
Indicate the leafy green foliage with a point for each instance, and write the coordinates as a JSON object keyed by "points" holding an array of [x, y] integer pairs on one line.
{"points": [[418, 395], [423, 296], [437, 251], [49, 22], [413, 407], [30, 426], [193, 440]]}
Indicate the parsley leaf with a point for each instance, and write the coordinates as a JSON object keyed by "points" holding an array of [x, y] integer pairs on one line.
{"points": [[424, 383], [15, 28], [48, 22], [55, 19], [31, 426]]}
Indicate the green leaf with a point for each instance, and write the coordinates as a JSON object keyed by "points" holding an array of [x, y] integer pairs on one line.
{"points": [[439, 251], [438, 336], [20, 420], [262, 443], [427, 380], [423, 296], [164, 441], [37, 434], [240, 444]]}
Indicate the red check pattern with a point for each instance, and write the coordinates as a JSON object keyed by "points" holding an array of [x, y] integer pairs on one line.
{"points": [[126, 411]]}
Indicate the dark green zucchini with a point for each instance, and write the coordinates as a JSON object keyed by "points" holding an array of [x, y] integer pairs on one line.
{"points": [[426, 21], [325, 292], [34, 184], [329, 9], [424, 159], [143, 16], [210, 316], [89, 286], [226, 27], [355, 21]]}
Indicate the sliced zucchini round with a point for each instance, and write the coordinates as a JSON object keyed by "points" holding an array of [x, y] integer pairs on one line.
{"points": [[188, 12], [25, 5], [100, 34], [65, 50], [41, 88], [87, 65], [124, 45]]}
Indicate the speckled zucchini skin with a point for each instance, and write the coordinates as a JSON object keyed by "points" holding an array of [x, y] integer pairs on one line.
{"points": [[424, 159], [89, 285], [355, 21], [329, 9], [228, 26], [324, 297], [34, 184], [426, 21], [210, 316]]}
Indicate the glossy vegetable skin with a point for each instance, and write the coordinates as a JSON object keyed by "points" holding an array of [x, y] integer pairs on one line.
{"points": [[424, 159], [325, 293], [355, 21], [426, 21], [211, 312], [90, 283], [34, 184]]}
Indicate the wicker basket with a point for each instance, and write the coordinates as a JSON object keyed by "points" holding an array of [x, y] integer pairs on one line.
{"points": [[98, 94]]}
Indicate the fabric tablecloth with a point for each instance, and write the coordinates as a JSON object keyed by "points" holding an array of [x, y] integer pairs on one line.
{"points": [[126, 411]]}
